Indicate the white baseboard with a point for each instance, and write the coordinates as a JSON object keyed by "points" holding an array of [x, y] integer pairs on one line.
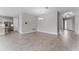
{"points": [[48, 32], [27, 32], [38, 31]]}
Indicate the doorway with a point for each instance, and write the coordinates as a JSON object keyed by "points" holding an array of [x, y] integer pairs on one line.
{"points": [[69, 24], [65, 22]]}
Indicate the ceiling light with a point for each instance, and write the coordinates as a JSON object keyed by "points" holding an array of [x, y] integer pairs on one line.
{"points": [[40, 18]]}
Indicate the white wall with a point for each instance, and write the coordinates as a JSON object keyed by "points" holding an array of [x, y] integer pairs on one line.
{"points": [[16, 23], [31, 25], [77, 23], [49, 24], [20, 24]]}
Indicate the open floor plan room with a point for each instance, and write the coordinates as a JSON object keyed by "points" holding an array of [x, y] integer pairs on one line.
{"points": [[39, 29]]}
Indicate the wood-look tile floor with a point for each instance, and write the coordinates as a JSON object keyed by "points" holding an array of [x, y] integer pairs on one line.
{"points": [[38, 41]]}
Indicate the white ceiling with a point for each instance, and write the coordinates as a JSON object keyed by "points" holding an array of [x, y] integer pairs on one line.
{"points": [[15, 11], [74, 9]]}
